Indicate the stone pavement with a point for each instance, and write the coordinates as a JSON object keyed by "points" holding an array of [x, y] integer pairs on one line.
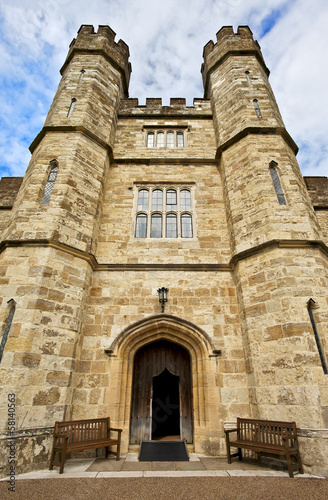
{"points": [[129, 466]]}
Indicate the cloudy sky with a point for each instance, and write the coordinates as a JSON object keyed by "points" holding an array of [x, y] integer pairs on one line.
{"points": [[166, 39]]}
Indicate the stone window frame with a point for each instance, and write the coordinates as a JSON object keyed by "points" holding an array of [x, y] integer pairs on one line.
{"points": [[277, 184], [49, 185], [148, 213], [157, 131]]}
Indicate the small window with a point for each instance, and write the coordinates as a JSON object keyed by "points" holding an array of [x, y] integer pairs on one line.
{"points": [[141, 226], [277, 185], [150, 139], [156, 226], [170, 140], [186, 226], [185, 200], [49, 184], [81, 75], [143, 198], [171, 226], [7, 327], [160, 140], [248, 77], [71, 108], [257, 108], [180, 141], [171, 199], [157, 199]]}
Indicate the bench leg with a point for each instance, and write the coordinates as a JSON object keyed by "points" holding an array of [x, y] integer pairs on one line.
{"points": [[289, 464], [52, 456], [240, 455], [118, 451]]}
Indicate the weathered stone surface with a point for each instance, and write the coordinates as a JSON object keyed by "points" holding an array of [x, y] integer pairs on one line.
{"points": [[86, 288]]}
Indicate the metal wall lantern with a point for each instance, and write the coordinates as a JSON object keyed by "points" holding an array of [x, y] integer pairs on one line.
{"points": [[162, 293]]}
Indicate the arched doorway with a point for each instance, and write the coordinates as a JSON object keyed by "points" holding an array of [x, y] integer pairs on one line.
{"points": [[161, 405]]}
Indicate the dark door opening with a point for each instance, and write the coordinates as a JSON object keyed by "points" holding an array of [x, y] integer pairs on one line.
{"points": [[161, 370], [165, 421]]}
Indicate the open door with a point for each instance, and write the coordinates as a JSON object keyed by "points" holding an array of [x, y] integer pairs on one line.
{"points": [[161, 403]]}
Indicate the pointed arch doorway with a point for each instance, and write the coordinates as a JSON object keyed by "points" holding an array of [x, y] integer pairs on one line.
{"points": [[161, 405]]}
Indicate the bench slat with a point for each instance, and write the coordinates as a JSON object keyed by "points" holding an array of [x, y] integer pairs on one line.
{"points": [[266, 436], [79, 435]]}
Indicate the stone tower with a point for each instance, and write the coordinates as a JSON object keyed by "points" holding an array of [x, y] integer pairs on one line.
{"points": [[207, 201]]}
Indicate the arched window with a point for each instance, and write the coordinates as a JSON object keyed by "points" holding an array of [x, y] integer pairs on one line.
{"points": [[82, 72], [71, 108], [171, 226], [141, 226], [248, 77], [157, 199], [143, 197], [186, 226], [7, 327], [160, 140], [170, 140], [257, 108], [277, 184], [185, 199], [180, 140], [156, 226], [150, 139], [164, 212], [171, 199], [50, 183]]}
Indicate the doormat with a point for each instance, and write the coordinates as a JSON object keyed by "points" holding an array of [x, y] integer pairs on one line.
{"points": [[163, 451]]}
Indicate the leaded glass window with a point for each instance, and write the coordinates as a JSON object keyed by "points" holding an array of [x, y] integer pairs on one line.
{"points": [[49, 184], [164, 212], [7, 329], [277, 186]]}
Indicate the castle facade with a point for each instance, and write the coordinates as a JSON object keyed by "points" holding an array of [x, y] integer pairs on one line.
{"points": [[166, 266]]}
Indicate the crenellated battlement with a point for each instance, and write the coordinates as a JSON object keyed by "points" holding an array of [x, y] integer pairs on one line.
{"points": [[101, 42], [229, 43], [154, 106]]}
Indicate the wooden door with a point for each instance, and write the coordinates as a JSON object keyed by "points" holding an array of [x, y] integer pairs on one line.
{"points": [[151, 361]]}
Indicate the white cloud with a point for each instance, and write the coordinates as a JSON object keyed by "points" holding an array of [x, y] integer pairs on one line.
{"points": [[166, 40]]}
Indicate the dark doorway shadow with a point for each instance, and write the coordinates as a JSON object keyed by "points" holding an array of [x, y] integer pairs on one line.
{"points": [[165, 406]]}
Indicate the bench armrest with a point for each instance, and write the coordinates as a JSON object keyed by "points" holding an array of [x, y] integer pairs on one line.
{"points": [[227, 431], [291, 436], [114, 429]]}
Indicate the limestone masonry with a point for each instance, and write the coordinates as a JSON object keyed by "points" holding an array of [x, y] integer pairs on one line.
{"points": [[120, 200]]}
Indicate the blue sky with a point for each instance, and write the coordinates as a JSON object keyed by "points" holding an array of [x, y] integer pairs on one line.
{"points": [[166, 41]]}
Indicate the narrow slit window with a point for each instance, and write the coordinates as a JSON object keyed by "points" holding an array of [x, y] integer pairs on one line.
{"points": [[143, 198], [180, 140], [150, 139], [71, 108], [156, 226], [82, 73], [277, 186], [171, 226], [257, 108], [141, 226], [248, 77], [7, 328], [310, 306], [49, 184]]}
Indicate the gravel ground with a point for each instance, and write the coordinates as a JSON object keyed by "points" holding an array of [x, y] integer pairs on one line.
{"points": [[205, 488]]}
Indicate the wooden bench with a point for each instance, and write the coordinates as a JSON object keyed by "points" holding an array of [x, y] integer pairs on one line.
{"points": [[266, 437], [80, 435]]}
